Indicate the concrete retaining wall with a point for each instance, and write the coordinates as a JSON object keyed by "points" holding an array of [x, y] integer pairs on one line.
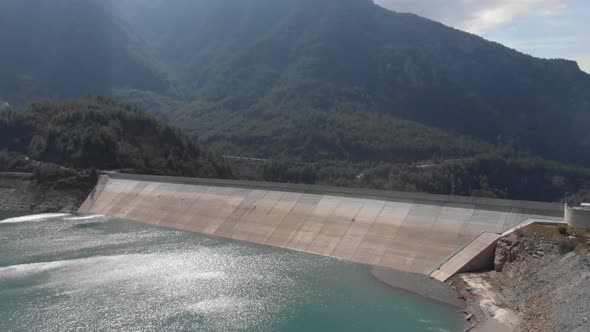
{"points": [[407, 231], [578, 217], [480, 253], [475, 256]]}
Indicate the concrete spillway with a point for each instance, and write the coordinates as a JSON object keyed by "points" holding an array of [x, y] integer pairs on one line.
{"points": [[407, 231]]}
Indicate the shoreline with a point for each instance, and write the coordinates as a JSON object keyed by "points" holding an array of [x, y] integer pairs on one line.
{"points": [[21, 194], [486, 306], [421, 285], [429, 289]]}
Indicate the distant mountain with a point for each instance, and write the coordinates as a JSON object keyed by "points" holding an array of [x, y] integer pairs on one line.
{"points": [[96, 132], [70, 47], [306, 80], [262, 72]]}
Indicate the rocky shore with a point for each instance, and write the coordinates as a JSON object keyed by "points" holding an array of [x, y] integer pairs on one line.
{"points": [[21, 193], [541, 282]]}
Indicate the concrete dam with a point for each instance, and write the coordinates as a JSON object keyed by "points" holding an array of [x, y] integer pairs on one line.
{"points": [[411, 232]]}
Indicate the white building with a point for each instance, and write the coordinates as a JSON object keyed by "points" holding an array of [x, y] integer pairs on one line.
{"points": [[578, 216]]}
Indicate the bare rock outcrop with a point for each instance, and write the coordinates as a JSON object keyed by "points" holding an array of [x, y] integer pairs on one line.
{"points": [[507, 251]]}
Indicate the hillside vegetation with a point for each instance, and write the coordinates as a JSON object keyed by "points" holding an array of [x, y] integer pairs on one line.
{"points": [[518, 177], [269, 78], [266, 75], [96, 132], [339, 92]]}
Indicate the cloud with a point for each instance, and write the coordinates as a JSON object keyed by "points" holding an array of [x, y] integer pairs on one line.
{"points": [[584, 62], [476, 16]]}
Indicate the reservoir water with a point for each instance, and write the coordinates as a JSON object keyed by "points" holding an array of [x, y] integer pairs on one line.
{"points": [[93, 273]]}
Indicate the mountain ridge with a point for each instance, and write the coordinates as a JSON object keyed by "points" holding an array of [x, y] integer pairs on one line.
{"points": [[284, 56], [313, 80], [66, 48]]}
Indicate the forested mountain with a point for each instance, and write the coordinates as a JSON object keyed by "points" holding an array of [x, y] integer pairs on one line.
{"points": [[331, 91], [257, 68], [96, 132], [305, 79], [63, 48]]}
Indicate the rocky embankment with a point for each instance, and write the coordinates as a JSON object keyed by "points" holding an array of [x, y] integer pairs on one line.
{"points": [[21, 193], [541, 282]]}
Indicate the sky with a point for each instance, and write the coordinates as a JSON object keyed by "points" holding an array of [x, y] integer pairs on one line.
{"points": [[543, 28]]}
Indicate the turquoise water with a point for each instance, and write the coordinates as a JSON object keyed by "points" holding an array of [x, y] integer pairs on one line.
{"points": [[101, 274]]}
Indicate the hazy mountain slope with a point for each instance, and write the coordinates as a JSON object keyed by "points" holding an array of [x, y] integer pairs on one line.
{"points": [[268, 62], [68, 48], [96, 132]]}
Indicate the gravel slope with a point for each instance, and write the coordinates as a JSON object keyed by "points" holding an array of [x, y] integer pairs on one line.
{"points": [[542, 277]]}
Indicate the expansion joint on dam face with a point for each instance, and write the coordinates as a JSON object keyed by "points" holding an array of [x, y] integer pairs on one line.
{"points": [[410, 232]]}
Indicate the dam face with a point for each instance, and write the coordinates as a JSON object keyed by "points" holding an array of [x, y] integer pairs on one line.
{"points": [[410, 232]]}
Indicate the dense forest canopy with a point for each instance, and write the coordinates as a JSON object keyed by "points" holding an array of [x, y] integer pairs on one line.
{"points": [[522, 178], [96, 132]]}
